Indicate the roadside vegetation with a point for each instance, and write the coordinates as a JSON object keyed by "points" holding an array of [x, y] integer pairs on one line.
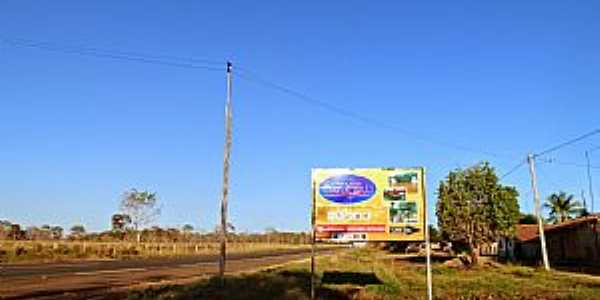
{"points": [[375, 274], [133, 235], [54, 251], [474, 209], [563, 207]]}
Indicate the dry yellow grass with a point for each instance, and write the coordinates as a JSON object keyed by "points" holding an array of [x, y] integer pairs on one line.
{"points": [[36, 251]]}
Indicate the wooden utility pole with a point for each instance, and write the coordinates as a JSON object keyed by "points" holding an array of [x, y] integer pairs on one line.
{"points": [[589, 176], [536, 198], [226, 157]]}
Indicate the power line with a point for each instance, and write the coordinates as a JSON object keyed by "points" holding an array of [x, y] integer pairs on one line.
{"points": [[593, 149], [569, 142], [120, 52], [545, 175], [514, 169], [359, 117], [172, 61], [572, 164]]}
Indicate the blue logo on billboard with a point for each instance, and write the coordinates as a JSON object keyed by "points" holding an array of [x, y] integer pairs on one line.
{"points": [[347, 189]]}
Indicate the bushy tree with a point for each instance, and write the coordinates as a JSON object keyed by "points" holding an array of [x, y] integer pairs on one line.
{"points": [[56, 232], [527, 219], [434, 234], [77, 231], [474, 208], [187, 228], [119, 222], [271, 230], [4, 229], [142, 207]]}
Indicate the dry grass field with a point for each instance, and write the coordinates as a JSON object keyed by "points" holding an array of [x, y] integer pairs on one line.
{"points": [[52, 251]]}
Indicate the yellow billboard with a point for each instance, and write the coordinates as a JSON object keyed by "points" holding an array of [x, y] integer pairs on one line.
{"points": [[370, 204]]}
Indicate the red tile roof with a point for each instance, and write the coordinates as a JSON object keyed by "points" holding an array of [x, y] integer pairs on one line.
{"points": [[527, 232], [571, 223]]}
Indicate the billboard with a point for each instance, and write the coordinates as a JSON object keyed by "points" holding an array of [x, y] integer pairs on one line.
{"points": [[371, 204]]}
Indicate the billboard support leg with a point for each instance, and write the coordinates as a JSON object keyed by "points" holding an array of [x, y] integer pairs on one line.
{"points": [[428, 245], [313, 239], [427, 242], [312, 267]]}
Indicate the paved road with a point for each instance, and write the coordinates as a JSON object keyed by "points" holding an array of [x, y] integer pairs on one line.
{"points": [[92, 279]]}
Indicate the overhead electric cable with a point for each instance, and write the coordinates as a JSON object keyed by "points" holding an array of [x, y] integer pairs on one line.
{"points": [[120, 55], [245, 75], [569, 142], [514, 169], [572, 164]]}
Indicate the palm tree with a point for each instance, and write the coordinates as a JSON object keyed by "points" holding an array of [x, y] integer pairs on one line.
{"points": [[562, 207]]}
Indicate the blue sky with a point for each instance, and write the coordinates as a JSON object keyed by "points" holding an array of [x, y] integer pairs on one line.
{"points": [[77, 131]]}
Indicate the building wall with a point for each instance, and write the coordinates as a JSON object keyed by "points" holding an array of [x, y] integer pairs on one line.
{"points": [[579, 244], [506, 248], [528, 251]]}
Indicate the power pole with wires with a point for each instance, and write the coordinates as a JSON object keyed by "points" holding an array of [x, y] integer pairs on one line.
{"points": [[536, 198], [226, 157], [589, 177], [585, 206]]}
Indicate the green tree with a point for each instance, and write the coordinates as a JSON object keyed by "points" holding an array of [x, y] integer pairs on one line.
{"points": [[527, 219], [271, 230], [474, 208], [56, 232], [563, 207], [119, 222], [142, 208], [77, 230], [434, 234], [187, 228]]}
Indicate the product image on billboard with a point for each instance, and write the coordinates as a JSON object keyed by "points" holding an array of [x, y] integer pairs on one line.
{"points": [[371, 204]]}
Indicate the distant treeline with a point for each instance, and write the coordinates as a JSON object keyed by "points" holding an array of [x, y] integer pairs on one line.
{"points": [[154, 234]]}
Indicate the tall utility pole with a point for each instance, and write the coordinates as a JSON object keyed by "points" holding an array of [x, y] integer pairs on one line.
{"points": [[226, 157], [584, 200], [536, 198], [589, 176]]}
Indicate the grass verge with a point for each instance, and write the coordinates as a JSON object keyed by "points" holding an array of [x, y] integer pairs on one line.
{"points": [[372, 274]]}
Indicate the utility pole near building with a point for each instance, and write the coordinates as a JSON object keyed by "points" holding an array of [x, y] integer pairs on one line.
{"points": [[536, 198], [226, 157], [589, 176]]}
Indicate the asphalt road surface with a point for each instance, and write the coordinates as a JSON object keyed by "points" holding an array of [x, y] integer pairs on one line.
{"points": [[95, 279]]}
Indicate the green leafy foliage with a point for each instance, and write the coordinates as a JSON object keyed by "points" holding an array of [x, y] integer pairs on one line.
{"points": [[474, 208], [434, 234], [527, 219], [119, 222], [141, 206], [563, 207], [77, 231]]}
